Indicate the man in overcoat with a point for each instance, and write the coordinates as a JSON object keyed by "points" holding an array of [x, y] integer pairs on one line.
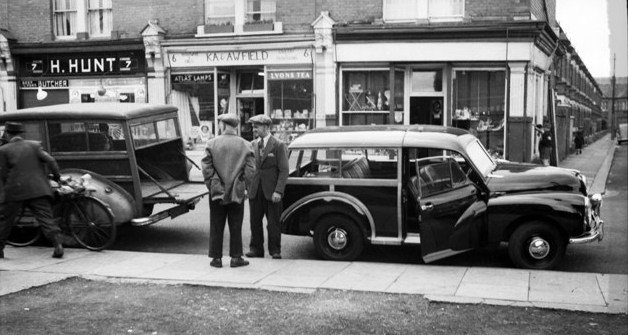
{"points": [[228, 167], [25, 184], [266, 189]]}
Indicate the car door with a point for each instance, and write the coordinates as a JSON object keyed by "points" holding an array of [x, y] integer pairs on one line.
{"points": [[451, 212]]}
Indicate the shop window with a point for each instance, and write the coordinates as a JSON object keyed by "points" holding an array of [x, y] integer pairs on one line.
{"points": [[95, 15], [290, 101], [250, 82], [479, 104], [404, 10], [366, 96]]}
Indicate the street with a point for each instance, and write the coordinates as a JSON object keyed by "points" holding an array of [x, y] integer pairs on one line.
{"points": [[189, 234]]}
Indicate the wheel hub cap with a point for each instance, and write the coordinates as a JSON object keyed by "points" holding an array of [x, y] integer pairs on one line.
{"points": [[337, 239], [538, 248]]}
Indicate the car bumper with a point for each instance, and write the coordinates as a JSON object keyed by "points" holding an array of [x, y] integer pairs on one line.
{"points": [[595, 234]]}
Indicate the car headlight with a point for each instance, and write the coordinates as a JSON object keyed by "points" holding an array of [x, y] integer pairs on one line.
{"points": [[596, 202]]}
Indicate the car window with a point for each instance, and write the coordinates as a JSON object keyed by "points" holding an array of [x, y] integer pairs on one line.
{"points": [[348, 163], [85, 136], [438, 174]]}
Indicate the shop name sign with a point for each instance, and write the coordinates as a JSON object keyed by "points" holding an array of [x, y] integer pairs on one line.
{"points": [[62, 83], [234, 58], [81, 65], [289, 75], [192, 78]]}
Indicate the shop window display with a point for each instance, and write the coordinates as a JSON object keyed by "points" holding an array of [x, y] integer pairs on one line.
{"points": [[365, 97], [479, 104], [290, 100]]}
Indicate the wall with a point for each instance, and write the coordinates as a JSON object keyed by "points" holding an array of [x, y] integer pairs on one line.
{"points": [[30, 21], [179, 17]]}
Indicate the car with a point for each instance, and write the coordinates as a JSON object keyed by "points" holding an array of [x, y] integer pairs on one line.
{"points": [[134, 153], [622, 133], [432, 186]]}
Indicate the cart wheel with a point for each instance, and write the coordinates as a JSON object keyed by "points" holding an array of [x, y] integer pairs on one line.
{"points": [[91, 223], [25, 231]]}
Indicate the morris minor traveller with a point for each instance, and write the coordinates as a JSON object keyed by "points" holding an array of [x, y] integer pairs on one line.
{"points": [[432, 186], [134, 153]]}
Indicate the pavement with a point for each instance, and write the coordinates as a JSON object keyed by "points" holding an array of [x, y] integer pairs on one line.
{"points": [[28, 267]]}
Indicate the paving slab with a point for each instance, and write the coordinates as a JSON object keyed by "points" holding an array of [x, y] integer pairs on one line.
{"points": [[304, 273], [491, 283], [429, 279], [138, 265], [565, 288], [375, 277], [252, 274], [615, 291], [30, 258], [86, 262]]}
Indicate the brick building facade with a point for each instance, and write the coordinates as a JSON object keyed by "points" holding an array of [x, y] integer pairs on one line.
{"points": [[488, 66]]}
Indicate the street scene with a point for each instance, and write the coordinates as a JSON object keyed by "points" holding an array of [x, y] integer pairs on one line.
{"points": [[379, 166]]}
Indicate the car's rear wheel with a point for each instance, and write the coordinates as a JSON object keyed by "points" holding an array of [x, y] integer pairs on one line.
{"points": [[338, 238], [536, 245]]}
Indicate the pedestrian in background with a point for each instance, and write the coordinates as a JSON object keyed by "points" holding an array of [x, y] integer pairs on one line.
{"points": [[579, 141], [25, 184], [228, 167], [266, 189], [545, 144]]}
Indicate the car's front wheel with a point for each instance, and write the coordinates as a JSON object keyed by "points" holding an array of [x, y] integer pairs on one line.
{"points": [[338, 238], [536, 245]]}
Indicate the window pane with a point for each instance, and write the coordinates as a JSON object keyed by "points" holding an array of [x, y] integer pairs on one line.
{"points": [[166, 129], [399, 10], [64, 17], [99, 17], [144, 134], [445, 8], [260, 10], [220, 11], [427, 81], [67, 136]]}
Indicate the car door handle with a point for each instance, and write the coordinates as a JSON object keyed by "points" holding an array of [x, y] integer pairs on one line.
{"points": [[427, 207]]}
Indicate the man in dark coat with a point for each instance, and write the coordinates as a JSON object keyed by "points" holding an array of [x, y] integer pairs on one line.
{"points": [[25, 184], [227, 168], [267, 187]]}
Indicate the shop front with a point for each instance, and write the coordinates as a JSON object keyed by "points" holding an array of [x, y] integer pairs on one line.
{"points": [[258, 79], [82, 77]]}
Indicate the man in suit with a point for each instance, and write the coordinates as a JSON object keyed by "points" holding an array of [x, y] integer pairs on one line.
{"points": [[25, 185], [266, 189], [228, 167]]}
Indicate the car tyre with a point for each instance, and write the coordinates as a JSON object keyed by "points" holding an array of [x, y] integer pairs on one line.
{"points": [[338, 238], [536, 245]]}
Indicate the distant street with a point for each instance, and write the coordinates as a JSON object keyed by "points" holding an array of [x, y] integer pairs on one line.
{"points": [[189, 234]]}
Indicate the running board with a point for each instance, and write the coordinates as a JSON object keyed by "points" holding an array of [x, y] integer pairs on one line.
{"points": [[412, 238]]}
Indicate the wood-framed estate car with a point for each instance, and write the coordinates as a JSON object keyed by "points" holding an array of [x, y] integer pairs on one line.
{"points": [[434, 186], [133, 151]]}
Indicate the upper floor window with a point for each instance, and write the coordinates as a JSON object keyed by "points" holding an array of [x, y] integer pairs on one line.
{"points": [[410, 10], [239, 12], [93, 17]]}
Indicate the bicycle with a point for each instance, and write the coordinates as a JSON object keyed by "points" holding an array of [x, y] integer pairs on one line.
{"points": [[87, 219]]}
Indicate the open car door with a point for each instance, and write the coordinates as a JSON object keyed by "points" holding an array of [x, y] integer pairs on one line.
{"points": [[451, 212]]}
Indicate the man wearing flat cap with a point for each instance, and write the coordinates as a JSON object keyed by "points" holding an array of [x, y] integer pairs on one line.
{"points": [[24, 182], [266, 189], [228, 167]]}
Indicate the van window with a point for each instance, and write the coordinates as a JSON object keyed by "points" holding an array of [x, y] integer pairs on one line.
{"points": [[84, 136]]}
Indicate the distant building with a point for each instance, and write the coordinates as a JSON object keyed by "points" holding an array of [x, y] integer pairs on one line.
{"points": [[621, 100], [487, 66]]}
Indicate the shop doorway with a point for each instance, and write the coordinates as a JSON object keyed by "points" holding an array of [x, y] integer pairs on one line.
{"points": [[426, 110], [248, 107]]}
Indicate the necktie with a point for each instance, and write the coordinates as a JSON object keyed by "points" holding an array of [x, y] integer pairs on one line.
{"points": [[261, 144]]}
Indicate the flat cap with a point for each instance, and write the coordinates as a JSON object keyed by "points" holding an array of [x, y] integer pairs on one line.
{"points": [[13, 127], [230, 119], [261, 119]]}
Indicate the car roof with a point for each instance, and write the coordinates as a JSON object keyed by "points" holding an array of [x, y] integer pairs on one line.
{"points": [[104, 110], [385, 136]]}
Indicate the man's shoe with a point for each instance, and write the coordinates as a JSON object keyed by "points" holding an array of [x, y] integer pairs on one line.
{"points": [[252, 254], [216, 262], [276, 256], [236, 262], [58, 252]]}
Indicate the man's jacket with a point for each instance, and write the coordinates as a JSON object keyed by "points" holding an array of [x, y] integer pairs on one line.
{"points": [[271, 168], [228, 166], [23, 170]]}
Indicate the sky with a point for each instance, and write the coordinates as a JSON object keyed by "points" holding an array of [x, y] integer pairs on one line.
{"points": [[597, 30]]}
